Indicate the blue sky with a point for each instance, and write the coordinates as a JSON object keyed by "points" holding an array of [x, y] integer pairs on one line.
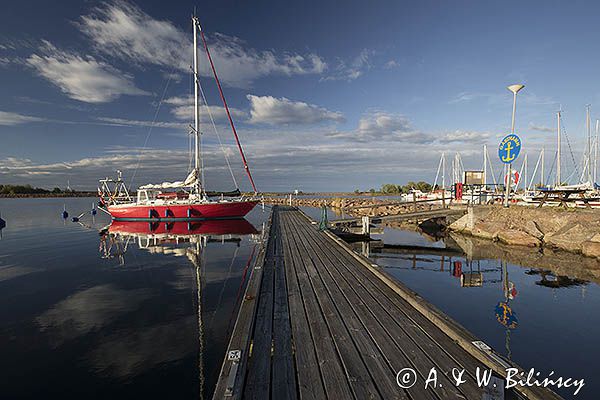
{"points": [[326, 96]]}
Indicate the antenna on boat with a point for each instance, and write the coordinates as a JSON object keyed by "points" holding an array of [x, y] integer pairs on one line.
{"points": [[214, 71]]}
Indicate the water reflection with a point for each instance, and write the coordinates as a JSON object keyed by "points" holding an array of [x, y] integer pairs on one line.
{"points": [[178, 239], [170, 237], [515, 299], [79, 325]]}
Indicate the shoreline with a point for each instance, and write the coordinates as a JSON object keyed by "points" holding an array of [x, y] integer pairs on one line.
{"points": [[572, 230], [48, 195]]}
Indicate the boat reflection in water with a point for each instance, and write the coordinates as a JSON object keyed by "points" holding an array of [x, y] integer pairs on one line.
{"points": [[170, 237], [185, 239]]}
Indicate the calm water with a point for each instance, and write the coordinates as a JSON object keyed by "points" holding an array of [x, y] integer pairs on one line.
{"points": [[115, 316], [556, 322]]}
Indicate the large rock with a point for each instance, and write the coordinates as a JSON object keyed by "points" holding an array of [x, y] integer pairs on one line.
{"points": [[532, 228], [591, 249], [518, 238], [570, 238], [486, 230]]}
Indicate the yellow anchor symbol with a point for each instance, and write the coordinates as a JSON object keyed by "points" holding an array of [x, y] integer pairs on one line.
{"points": [[508, 157]]}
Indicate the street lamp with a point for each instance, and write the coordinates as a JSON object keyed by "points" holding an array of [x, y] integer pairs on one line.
{"points": [[514, 89]]}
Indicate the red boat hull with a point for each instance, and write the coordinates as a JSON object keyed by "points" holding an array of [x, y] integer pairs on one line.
{"points": [[181, 212]]}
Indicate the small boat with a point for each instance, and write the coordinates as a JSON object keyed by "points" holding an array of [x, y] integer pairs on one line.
{"points": [[181, 200]]}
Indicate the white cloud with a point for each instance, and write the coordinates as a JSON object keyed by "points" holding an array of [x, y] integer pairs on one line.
{"points": [[465, 136], [541, 128], [183, 109], [11, 119], [125, 31], [83, 79], [382, 126], [271, 110], [391, 64], [502, 98], [349, 71]]}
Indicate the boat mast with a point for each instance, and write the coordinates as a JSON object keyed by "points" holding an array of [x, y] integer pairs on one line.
{"points": [[235, 135], [196, 110], [589, 137], [542, 174], [558, 180], [484, 165], [596, 153], [443, 172]]}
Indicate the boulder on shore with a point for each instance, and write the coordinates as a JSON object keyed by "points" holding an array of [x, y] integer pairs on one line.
{"points": [[518, 238], [591, 249], [570, 237]]}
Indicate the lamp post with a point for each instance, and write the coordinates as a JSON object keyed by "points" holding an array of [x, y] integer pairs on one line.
{"points": [[514, 89]]}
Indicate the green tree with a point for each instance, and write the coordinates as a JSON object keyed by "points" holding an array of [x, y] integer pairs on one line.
{"points": [[390, 188]]}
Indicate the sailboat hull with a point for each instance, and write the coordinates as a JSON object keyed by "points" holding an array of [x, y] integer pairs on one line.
{"points": [[181, 212]]}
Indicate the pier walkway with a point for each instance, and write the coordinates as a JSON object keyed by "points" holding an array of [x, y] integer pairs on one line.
{"points": [[319, 321], [406, 216]]}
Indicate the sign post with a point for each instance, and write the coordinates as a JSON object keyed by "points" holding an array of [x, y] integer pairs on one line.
{"points": [[514, 89], [508, 151]]}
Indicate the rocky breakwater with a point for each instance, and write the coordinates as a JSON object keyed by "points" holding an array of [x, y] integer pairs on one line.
{"points": [[355, 206], [573, 230]]}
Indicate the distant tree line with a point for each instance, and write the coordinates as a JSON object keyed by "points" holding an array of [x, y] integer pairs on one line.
{"points": [[28, 189], [390, 188]]}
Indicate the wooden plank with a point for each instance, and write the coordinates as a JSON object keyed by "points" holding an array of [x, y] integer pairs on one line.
{"points": [[374, 285], [326, 323], [308, 372], [259, 366], [332, 371], [233, 371], [356, 369], [375, 350], [415, 318], [414, 344], [449, 327], [283, 383]]}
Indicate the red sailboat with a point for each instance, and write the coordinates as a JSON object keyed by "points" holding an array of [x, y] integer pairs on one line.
{"points": [[181, 200]]}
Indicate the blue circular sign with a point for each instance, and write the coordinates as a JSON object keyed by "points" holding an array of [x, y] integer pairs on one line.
{"points": [[509, 148]]}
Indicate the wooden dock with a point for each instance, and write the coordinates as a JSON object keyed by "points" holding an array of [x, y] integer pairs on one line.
{"points": [[319, 321], [407, 216]]}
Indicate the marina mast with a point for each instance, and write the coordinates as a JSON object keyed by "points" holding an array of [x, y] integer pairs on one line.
{"points": [[558, 179], [196, 110]]}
